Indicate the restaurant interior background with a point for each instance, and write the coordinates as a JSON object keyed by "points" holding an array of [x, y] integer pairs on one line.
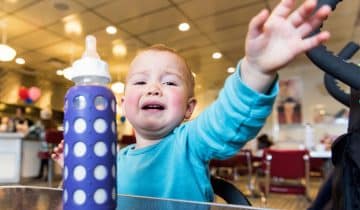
{"points": [[49, 35]]}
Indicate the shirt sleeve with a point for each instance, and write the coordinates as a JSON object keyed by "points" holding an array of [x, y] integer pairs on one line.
{"points": [[235, 117]]}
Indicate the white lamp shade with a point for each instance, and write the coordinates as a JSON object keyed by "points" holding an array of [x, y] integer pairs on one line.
{"points": [[6, 53]]}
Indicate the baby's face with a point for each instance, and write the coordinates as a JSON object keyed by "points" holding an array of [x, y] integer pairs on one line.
{"points": [[157, 94]]}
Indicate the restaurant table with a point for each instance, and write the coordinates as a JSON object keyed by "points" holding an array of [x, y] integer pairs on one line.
{"points": [[43, 198], [326, 156]]}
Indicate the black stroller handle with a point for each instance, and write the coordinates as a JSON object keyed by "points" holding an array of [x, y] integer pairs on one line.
{"points": [[336, 66], [330, 83], [344, 177]]}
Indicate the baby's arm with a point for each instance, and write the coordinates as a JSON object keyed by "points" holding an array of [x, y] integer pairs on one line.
{"points": [[248, 95], [58, 154], [273, 40]]}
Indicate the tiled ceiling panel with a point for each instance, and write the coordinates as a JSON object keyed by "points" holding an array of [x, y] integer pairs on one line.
{"points": [[93, 3], [88, 21], [104, 39], [47, 12], [191, 42], [168, 35], [240, 16], [235, 33], [15, 26], [36, 39], [33, 57], [199, 8], [11, 6], [64, 50], [154, 21], [180, 1], [118, 11]]}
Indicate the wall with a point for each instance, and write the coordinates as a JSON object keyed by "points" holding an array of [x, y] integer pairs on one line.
{"points": [[52, 93]]}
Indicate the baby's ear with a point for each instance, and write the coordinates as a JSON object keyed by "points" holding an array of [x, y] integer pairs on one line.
{"points": [[190, 108]]}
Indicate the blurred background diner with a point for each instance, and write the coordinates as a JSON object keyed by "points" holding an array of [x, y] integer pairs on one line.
{"points": [[44, 37]]}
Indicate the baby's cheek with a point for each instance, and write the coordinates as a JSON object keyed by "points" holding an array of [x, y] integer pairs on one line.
{"points": [[178, 99], [130, 102]]}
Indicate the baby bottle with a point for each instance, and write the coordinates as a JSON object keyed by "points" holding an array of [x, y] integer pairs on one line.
{"points": [[90, 135]]}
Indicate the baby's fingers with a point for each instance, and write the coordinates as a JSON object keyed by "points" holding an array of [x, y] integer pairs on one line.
{"points": [[315, 40], [54, 156], [315, 21], [257, 23]]}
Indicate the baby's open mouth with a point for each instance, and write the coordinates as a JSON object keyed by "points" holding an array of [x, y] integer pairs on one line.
{"points": [[153, 107]]}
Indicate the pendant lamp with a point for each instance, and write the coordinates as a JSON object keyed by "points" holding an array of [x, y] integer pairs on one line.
{"points": [[7, 53]]}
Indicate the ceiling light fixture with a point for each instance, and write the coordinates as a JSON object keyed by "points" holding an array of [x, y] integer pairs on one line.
{"points": [[119, 49], [118, 87], [72, 25], [193, 74], [7, 53], [67, 73], [20, 61], [59, 72], [216, 55], [231, 70], [111, 30], [184, 27]]}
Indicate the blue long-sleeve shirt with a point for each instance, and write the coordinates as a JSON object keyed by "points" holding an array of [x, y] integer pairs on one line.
{"points": [[177, 166]]}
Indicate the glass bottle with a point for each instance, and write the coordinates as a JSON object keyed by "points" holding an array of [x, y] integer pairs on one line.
{"points": [[90, 135]]}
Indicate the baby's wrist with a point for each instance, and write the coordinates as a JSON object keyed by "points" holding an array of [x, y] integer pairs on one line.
{"points": [[255, 77]]}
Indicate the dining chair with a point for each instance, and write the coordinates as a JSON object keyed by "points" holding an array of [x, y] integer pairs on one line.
{"points": [[228, 192], [317, 167], [53, 137], [241, 163], [127, 140], [286, 171]]}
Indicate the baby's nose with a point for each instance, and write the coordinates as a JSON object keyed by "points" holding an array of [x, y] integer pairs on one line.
{"points": [[154, 91]]}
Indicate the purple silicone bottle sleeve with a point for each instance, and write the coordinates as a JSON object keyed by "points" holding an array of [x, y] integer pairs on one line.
{"points": [[90, 148]]}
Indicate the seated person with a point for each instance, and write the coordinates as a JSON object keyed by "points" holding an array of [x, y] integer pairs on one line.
{"points": [[4, 126], [170, 158], [264, 142], [19, 122]]}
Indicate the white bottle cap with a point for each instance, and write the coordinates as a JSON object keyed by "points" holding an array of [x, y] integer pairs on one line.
{"points": [[90, 64]]}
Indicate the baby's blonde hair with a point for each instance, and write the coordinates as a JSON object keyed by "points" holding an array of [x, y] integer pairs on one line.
{"points": [[163, 48]]}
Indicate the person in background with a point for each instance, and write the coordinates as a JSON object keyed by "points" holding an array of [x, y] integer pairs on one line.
{"points": [[4, 126], [170, 158], [38, 130], [19, 122], [263, 142], [326, 141]]}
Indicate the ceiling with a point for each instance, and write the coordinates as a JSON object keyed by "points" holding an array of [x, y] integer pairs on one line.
{"points": [[36, 30]]}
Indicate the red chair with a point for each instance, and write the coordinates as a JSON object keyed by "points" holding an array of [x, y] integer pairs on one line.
{"points": [[53, 137], [128, 139], [241, 163], [286, 171], [317, 167]]}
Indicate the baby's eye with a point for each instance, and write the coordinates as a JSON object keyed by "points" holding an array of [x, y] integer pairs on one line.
{"points": [[139, 83], [170, 83]]}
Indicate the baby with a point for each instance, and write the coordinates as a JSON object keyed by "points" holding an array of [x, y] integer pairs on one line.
{"points": [[170, 158]]}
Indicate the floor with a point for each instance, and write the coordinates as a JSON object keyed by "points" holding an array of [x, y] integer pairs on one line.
{"points": [[274, 201]]}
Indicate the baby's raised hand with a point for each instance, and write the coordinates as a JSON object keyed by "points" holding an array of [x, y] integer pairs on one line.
{"points": [[273, 40], [58, 154]]}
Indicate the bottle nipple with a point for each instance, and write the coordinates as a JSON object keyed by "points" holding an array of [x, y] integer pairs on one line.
{"points": [[90, 47], [90, 66]]}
